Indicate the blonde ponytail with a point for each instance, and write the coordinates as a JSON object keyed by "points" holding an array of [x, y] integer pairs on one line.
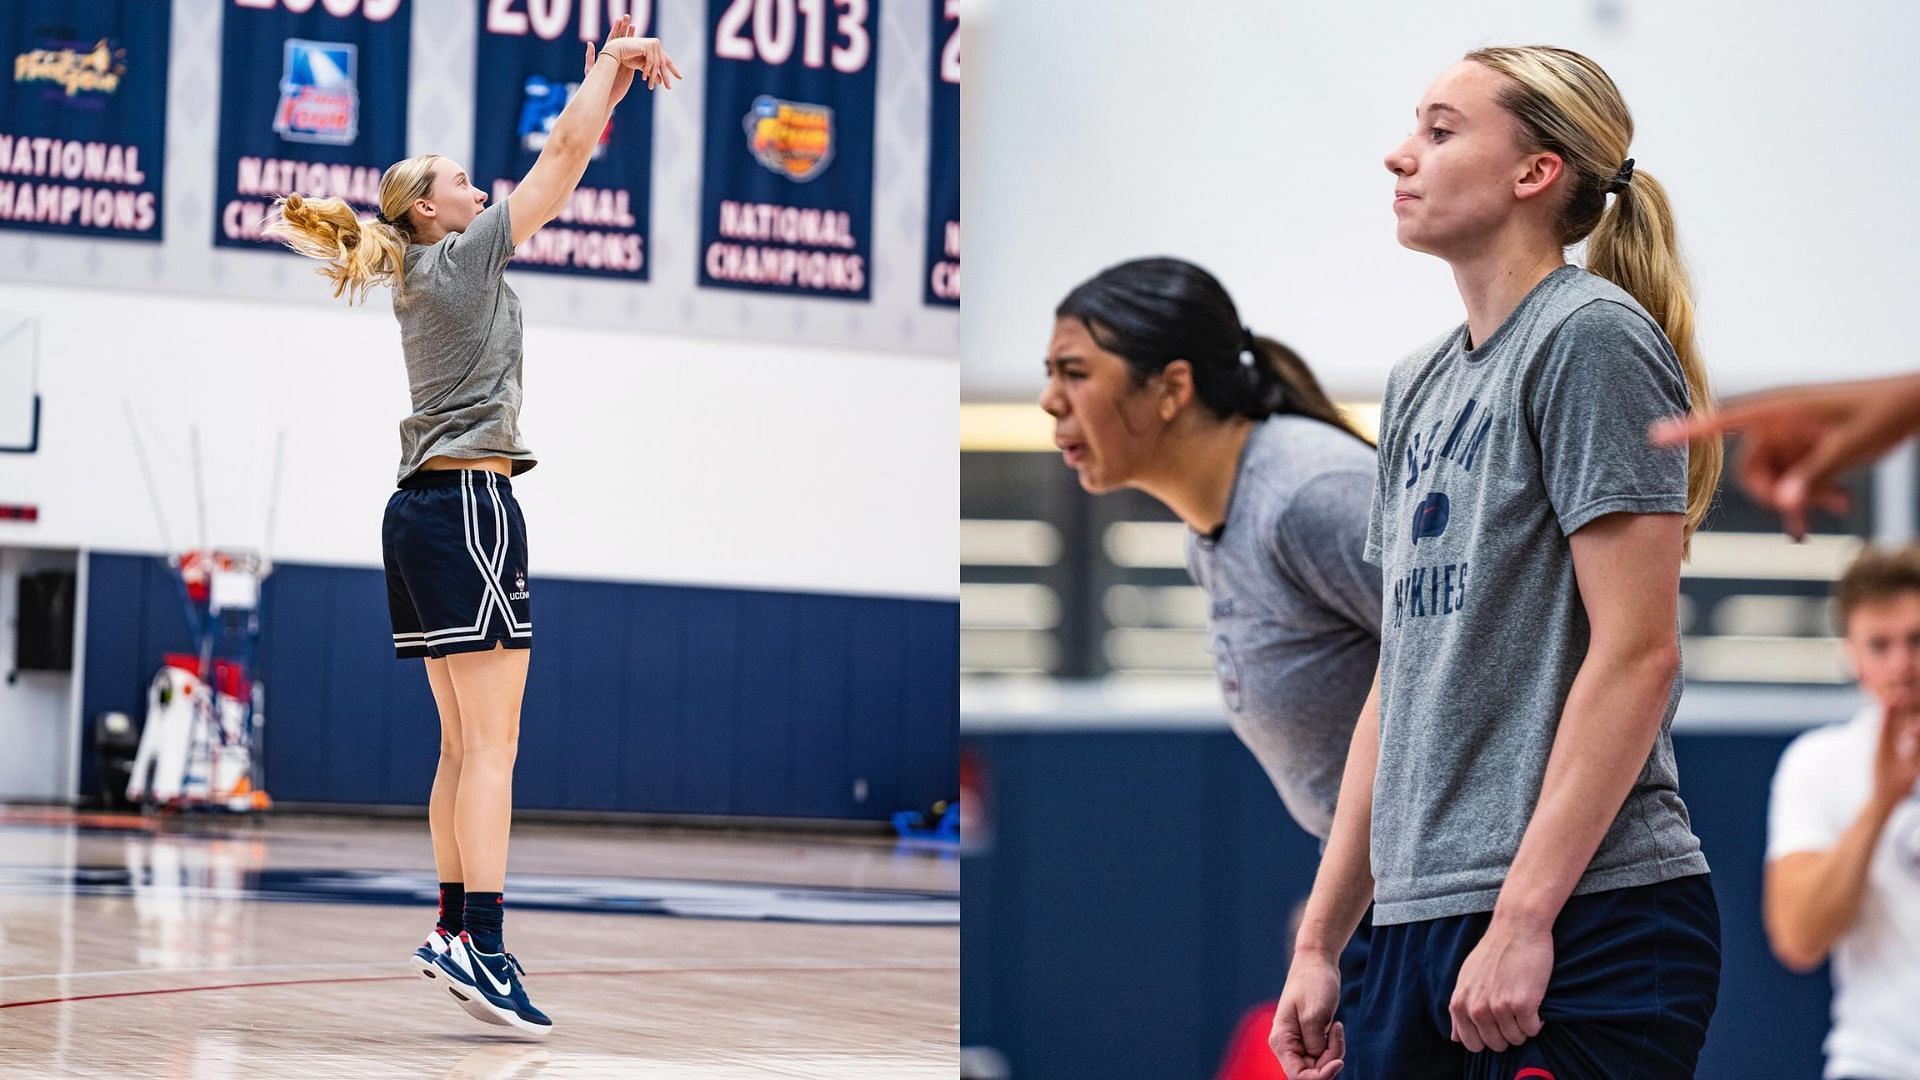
{"points": [[1568, 105], [1634, 247], [358, 254]]}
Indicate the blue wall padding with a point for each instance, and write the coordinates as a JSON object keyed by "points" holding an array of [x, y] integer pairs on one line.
{"points": [[640, 698], [1135, 898]]}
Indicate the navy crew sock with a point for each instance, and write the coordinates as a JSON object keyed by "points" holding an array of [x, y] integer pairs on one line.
{"points": [[453, 907], [485, 912]]}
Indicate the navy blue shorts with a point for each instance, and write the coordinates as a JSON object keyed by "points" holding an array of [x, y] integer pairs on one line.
{"points": [[1353, 965], [456, 554], [1636, 974]]}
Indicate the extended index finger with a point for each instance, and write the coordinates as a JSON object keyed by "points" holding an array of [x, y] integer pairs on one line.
{"points": [[1751, 410], [1692, 427]]}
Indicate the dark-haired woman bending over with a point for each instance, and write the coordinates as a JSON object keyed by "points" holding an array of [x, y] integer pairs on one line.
{"points": [[1154, 383]]}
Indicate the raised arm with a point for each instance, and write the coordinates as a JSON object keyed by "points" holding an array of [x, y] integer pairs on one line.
{"points": [[540, 196]]}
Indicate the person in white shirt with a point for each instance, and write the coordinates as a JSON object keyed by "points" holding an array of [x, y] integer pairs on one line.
{"points": [[1843, 833]]}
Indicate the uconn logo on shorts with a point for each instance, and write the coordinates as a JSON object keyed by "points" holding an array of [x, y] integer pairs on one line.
{"points": [[519, 586]]}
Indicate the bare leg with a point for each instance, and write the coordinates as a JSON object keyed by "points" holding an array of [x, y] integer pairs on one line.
{"points": [[489, 686], [446, 779]]}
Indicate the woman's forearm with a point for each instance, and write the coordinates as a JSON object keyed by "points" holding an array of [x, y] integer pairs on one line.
{"points": [[1344, 884], [578, 127], [1612, 716]]}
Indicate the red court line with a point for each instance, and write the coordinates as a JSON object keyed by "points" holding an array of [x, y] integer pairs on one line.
{"points": [[543, 975]]}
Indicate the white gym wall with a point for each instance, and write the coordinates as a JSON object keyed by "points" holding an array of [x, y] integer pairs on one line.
{"points": [[662, 458], [1248, 136]]}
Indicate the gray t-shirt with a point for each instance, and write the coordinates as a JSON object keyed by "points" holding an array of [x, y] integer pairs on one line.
{"points": [[1489, 460], [460, 333], [1295, 610]]}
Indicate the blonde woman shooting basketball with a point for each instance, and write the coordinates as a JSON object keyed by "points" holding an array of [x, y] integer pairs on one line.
{"points": [[454, 540]]}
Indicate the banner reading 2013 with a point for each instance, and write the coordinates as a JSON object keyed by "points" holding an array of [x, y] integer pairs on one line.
{"points": [[531, 61], [943, 159], [83, 117], [787, 196], [313, 99]]}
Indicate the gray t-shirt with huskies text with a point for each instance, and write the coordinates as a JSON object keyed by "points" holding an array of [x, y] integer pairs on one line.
{"points": [[1489, 459], [1294, 608], [460, 334]]}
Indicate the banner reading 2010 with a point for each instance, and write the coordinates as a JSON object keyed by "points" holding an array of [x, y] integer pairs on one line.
{"points": [[313, 99], [787, 196], [530, 64]]}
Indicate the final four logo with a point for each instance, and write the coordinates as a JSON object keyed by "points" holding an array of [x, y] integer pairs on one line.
{"points": [[319, 100], [791, 138]]}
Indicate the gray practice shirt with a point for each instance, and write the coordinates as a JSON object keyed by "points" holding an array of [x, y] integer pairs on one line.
{"points": [[1489, 459], [460, 333], [1295, 609]]}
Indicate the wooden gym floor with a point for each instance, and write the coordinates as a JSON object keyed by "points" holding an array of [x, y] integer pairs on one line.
{"points": [[214, 949]]}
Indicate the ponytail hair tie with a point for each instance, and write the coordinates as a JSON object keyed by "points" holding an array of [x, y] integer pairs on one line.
{"points": [[1621, 179], [381, 217], [1248, 350]]}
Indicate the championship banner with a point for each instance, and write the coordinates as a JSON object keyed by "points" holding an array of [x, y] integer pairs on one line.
{"points": [[531, 61], [943, 159], [83, 117], [786, 202], [313, 99]]}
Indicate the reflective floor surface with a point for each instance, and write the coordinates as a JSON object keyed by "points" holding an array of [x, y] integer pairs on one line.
{"points": [[217, 948]]}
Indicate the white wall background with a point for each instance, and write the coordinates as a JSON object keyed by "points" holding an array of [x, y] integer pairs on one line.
{"points": [[1248, 136], [662, 458]]}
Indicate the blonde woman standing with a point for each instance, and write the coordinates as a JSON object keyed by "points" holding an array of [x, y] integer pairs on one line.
{"points": [[1541, 907], [454, 539]]}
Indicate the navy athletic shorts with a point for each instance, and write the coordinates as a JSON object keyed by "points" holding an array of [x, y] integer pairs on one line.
{"points": [[456, 554], [1353, 966], [1636, 974]]}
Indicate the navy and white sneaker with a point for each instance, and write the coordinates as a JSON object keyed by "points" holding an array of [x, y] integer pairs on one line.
{"points": [[488, 986], [437, 945], [454, 970]]}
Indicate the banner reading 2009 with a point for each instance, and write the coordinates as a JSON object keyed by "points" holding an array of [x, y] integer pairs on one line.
{"points": [[313, 99], [530, 63], [83, 117], [787, 197]]}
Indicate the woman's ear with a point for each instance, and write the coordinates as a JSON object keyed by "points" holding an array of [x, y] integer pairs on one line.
{"points": [[1176, 390], [1542, 170]]}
